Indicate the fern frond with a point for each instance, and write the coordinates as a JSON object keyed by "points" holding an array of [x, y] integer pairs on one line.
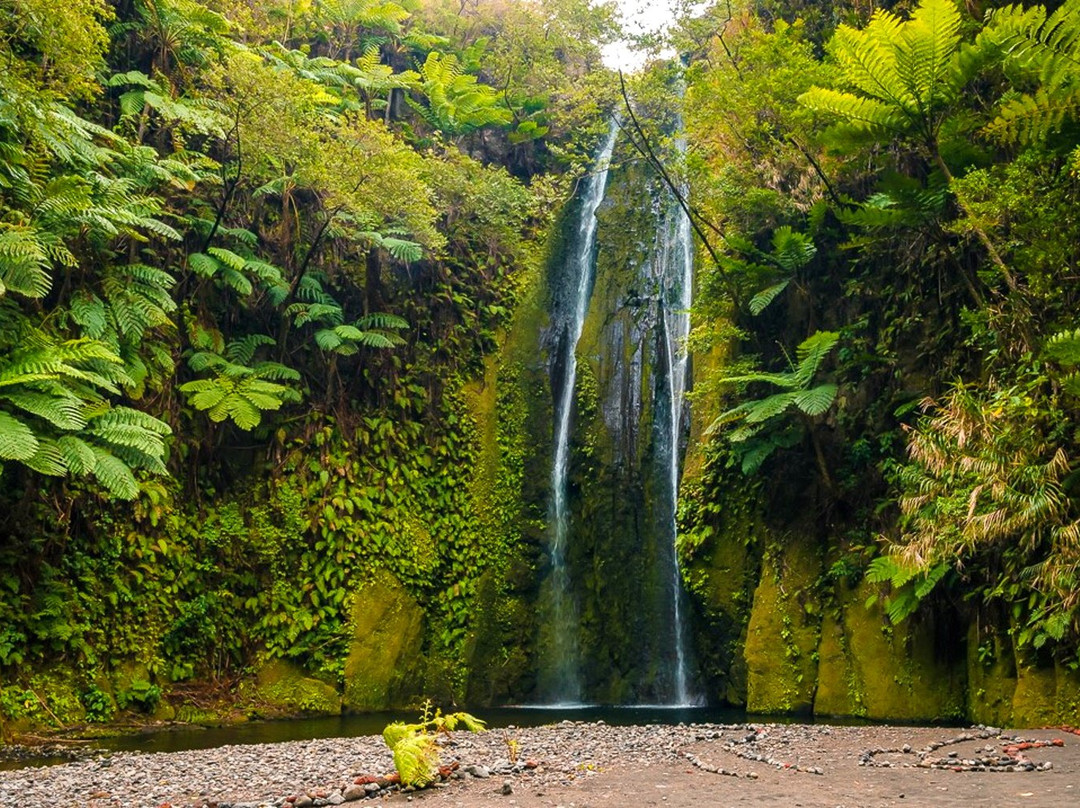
{"points": [[114, 474], [415, 757], [816, 400], [64, 412], [761, 301], [865, 114], [811, 352], [243, 350], [17, 440]]}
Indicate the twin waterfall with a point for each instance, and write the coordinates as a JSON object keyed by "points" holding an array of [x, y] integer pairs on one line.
{"points": [[612, 607]]}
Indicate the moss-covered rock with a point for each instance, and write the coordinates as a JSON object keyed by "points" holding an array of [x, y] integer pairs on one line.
{"points": [[283, 687], [991, 677], [782, 636], [385, 668], [718, 539], [1066, 695], [868, 667], [1034, 700]]}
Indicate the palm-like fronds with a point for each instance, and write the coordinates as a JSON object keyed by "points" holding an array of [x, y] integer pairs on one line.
{"points": [[755, 418], [55, 417], [240, 389], [901, 76], [456, 102], [1044, 49], [980, 481]]}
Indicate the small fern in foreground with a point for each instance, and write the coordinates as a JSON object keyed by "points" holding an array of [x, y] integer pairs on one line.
{"points": [[416, 754]]}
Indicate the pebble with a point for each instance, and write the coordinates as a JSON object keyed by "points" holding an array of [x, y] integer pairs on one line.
{"points": [[330, 772]]}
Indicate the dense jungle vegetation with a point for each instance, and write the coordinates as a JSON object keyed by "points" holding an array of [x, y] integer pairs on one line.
{"points": [[261, 264]]}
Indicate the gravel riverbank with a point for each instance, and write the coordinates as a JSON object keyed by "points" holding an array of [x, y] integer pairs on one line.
{"points": [[574, 763]]}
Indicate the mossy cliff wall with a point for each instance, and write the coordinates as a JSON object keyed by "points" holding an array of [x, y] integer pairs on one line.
{"points": [[784, 623], [779, 624], [780, 627]]}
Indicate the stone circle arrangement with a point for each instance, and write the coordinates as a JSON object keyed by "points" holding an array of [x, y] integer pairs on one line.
{"points": [[1008, 755]]}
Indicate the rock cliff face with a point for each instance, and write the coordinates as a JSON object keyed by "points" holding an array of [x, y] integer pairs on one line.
{"points": [[777, 624]]}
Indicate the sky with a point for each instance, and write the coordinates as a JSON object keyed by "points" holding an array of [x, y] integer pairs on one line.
{"points": [[639, 16]]}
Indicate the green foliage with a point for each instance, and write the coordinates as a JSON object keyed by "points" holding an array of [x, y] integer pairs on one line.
{"points": [[456, 103], [762, 426], [240, 389], [988, 483], [140, 695], [910, 585], [904, 75], [416, 754], [1043, 48], [99, 704]]}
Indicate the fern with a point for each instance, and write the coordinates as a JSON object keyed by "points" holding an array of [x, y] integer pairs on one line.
{"points": [[17, 440], [759, 429], [240, 390], [416, 755], [24, 262], [456, 102], [1043, 48], [902, 76]]}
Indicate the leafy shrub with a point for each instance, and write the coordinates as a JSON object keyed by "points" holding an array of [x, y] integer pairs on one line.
{"points": [[140, 695]]}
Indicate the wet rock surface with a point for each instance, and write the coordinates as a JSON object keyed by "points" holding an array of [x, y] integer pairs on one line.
{"points": [[580, 764]]}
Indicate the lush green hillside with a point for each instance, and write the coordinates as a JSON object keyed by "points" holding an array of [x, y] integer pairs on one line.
{"points": [[253, 258], [884, 485], [275, 397]]}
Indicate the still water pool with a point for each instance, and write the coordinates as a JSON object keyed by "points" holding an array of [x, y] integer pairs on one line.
{"points": [[350, 726]]}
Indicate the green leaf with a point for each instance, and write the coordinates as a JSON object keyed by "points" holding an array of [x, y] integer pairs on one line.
{"points": [[760, 301], [816, 400], [17, 440]]}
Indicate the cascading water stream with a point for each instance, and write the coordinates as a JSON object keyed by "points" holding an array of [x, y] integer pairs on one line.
{"points": [[563, 663], [676, 255]]}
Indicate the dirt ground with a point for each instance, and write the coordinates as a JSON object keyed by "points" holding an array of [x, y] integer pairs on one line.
{"points": [[842, 784]]}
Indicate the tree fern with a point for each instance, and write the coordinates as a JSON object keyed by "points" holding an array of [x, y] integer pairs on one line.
{"points": [[759, 426], [456, 102], [240, 390], [903, 75], [1045, 49], [791, 251], [235, 271]]}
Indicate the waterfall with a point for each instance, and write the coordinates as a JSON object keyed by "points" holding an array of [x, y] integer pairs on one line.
{"points": [[561, 668], [677, 267]]}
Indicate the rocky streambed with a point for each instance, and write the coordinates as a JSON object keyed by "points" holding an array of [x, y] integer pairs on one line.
{"points": [[575, 763]]}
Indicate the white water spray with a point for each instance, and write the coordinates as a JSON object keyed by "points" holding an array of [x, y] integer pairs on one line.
{"points": [[563, 664], [677, 257]]}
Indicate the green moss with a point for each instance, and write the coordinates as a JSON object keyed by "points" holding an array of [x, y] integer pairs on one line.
{"points": [[282, 686], [871, 668], [1033, 702], [384, 668], [719, 566], [190, 714], [991, 674], [782, 636], [1066, 695]]}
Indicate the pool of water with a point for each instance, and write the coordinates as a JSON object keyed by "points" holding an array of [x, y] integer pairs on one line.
{"points": [[350, 726]]}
